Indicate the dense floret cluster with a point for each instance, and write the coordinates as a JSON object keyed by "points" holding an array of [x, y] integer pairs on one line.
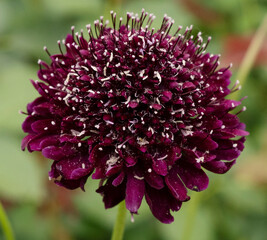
{"points": [[140, 109]]}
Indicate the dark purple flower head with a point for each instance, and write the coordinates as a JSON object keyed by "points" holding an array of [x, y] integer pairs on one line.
{"points": [[140, 109]]}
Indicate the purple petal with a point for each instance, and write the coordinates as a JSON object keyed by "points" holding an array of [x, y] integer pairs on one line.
{"points": [[43, 109], [113, 169], [112, 195], [130, 161], [54, 173], [100, 154], [219, 166], [193, 178], [27, 124], [106, 161], [240, 132], [26, 140], [74, 167], [160, 167], [203, 141], [229, 149], [176, 186], [36, 102], [36, 143], [165, 156], [160, 203], [135, 190], [119, 179], [99, 174], [57, 153], [42, 126], [154, 180], [72, 184], [227, 154], [52, 140], [230, 120]]}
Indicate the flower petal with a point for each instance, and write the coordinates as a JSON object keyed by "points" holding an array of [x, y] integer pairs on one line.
{"points": [[160, 203], [72, 184], [57, 153], [193, 178], [135, 190], [74, 167], [219, 166], [112, 195], [154, 180], [160, 167], [202, 141], [27, 124], [26, 140], [119, 179], [176, 186]]}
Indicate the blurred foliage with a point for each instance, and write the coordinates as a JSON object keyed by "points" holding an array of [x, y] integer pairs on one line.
{"points": [[235, 205]]}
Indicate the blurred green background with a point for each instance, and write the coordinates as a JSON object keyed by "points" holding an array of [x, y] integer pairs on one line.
{"points": [[234, 207]]}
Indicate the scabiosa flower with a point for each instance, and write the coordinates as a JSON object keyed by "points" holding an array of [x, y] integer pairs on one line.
{"points": [[140, 109]]}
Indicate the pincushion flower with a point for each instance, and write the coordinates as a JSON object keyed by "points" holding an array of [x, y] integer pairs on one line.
{"points": [[140, 109]]}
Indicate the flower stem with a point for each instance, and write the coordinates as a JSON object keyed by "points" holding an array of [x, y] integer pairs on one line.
{"points": [[251, 53], [191, 215], [6, 226], [119, 226]]}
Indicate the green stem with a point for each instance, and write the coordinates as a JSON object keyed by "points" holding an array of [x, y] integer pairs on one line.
{"points": [[6, 226], [191, 215], [251, 53], [119, 226]]}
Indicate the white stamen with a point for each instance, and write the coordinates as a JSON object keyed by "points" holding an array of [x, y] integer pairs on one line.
{"points": [[139, 178], [142, 141], [200, 159], [112, 160], [151, 129], [94, 68], [187, 132], [157, 74], [128, 100], [162, 158], [111, 57], [109, 122]]}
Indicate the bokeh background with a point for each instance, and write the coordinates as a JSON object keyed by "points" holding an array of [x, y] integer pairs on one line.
{"points": [[234, 207]]}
